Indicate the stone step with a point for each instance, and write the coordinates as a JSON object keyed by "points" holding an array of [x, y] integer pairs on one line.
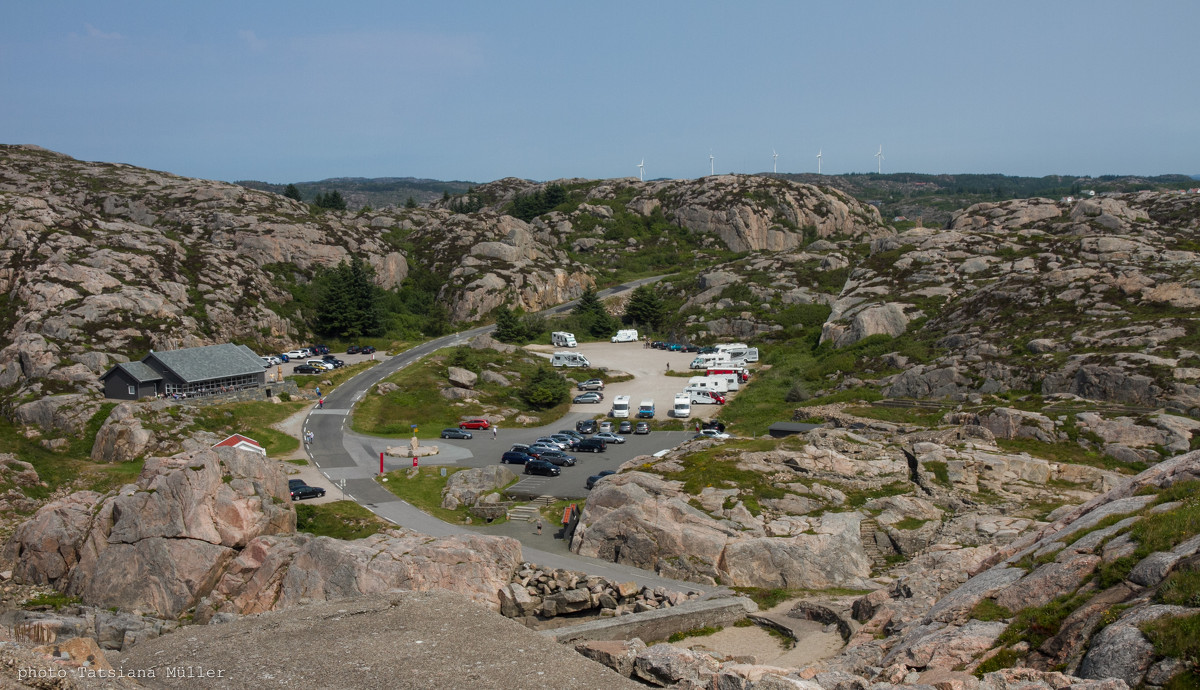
{"points": [[527, 513]]}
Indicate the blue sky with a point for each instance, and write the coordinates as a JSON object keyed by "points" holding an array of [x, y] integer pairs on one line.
{"points": [[296, 91]]}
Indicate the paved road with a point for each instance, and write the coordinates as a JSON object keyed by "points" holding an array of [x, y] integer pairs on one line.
{"points": [[341, 454]]}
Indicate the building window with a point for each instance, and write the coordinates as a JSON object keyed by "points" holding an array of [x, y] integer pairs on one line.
{"points": [[133, 390]]}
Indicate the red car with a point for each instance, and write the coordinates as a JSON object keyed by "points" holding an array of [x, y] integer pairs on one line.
{"points": [[475, 424]]}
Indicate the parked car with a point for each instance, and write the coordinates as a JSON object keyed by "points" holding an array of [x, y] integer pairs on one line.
{"points": [[536, 449], [674, 347], [658, 345], [306, 369], [558, 458], [319, 349], [283, 357], [296, 354], [587, 398], [586, 426], [366, 350], [591, 481], [475, 424], [625, 427], [606, 426], [591, 445], [641, 428], [353, 350], [715, 424], [564, 438], [712, 433], [301, 491], [609, 437], [690, 347], [591, 385], [520, 448], [542, 467], [552, 442], [706, 350], [456, 433], [337, 363], [569, 432], [513, 457]]}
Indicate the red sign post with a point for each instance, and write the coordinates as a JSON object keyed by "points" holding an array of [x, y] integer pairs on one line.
{"points": [[414, 461], [380, 463]]}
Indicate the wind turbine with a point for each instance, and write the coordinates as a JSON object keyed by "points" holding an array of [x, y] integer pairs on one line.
{"points": [[879, 160], [818, 161], [775, 161], [712, 166], [642, 171]]}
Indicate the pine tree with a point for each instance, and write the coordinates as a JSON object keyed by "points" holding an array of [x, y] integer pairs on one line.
{"points": [[645, 308], [292, 192]]}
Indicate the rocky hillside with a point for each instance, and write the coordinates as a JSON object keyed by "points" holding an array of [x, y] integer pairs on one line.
{"points": [[102, 262]]}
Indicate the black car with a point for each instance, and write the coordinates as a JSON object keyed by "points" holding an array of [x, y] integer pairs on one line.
{"points": [[691, 347], [625, 427], [591, 481], [306, 369], [514, 457], [715, 424], [642, 428], [456, 433], [353, 350], [301, 491], [320, 349], [542, 467], [658, 345], [591, 445], [366, 350], [337, 363], [557, 457], [587, 426]]}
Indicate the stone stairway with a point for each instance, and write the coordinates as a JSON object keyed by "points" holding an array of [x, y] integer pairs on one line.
{"points": [[530, 511], [866, 532]]}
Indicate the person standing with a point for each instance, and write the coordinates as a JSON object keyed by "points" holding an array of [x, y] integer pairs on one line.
{"points": [[495, 431], [539, 528]]}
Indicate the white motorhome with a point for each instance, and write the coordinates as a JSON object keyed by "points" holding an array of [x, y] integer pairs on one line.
{"points": [[620, 406], [569, 359], [732, 381], [627, 335], [719, 384], [683, 406], [708, 360], [725, 347], [701, 396], [750, 354], [562, 339]]}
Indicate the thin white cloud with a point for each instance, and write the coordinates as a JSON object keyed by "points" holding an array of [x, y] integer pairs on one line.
{"points": [[97, 33], [252, 41]]}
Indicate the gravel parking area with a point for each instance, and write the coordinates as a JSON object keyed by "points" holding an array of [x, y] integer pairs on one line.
{"points": [[648, 366]]}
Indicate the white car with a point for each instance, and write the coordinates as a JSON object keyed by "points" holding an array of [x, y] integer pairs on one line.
{"points": [[712, 433], [296, 354], [609, 437]]}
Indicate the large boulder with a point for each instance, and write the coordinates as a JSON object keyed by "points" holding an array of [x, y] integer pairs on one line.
{"points": [[466, 486]]}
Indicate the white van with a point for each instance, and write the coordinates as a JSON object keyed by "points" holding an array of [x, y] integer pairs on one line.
{"points": [[562, 339], [719, 384], [731, 381], [725, 347], [625, 336], [749, 354], [683, 406], [569, 359], [620, 406]]}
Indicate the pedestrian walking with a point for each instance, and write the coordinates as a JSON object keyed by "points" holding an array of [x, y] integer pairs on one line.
{"points": [[539, 527], [495, 430], [318, 391], [321, 404]]}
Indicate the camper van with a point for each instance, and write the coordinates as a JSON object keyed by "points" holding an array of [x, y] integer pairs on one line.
{"points": [[700, 396], [569, 359], [620, 406], [625, 336], [720, 370], [726, 347], [732, 382], [749, 354], [683, 406], [562, 339], [646, 409], [709, 360]]}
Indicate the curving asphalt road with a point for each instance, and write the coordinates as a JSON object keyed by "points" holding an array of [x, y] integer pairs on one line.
{"points": [[342, 455]]}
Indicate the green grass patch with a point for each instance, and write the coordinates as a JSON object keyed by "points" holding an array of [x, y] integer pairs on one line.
{"points": [[1176, 637], [718, 467], [1069, 452], [1037, 624], [253, 419], [417, 399], [939, 470], [768, 598], [989, 610], [920, 416], [909, 523], [425, 492], [855, 498], [1181, 588], [53, 600], [340, 520], [695, 632], [1005, 658]]}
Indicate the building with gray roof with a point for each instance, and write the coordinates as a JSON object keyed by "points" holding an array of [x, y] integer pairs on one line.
{"points": [[190, 372]]}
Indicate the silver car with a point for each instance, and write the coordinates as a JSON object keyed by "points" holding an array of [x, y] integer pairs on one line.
{"points": [[609, 437]]}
